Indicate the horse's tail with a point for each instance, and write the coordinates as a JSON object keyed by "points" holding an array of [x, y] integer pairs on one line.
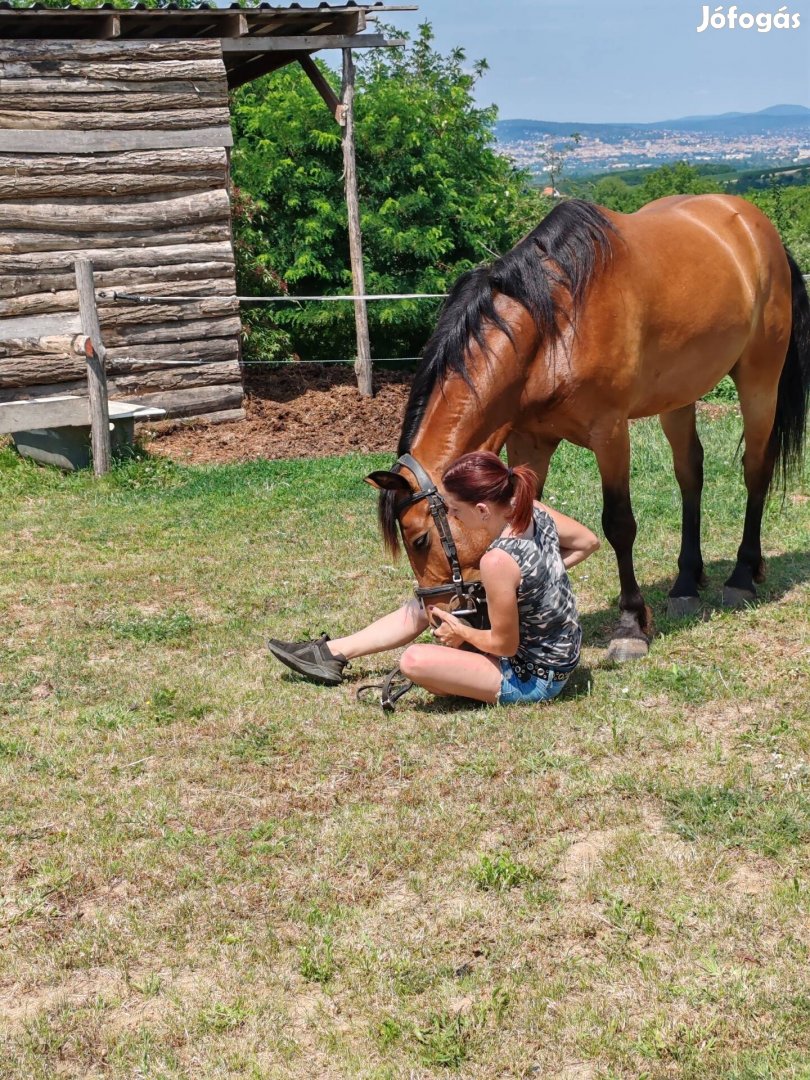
{"points": [[790, 425]]}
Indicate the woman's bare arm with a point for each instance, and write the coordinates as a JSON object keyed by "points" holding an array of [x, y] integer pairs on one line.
{"points": [[577, 541], [500, 576]]}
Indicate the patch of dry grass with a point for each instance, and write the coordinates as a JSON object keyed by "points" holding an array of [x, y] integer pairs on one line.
{"points": [[212, 869]]}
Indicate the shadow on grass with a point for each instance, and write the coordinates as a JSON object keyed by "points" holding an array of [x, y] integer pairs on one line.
{"points": [[579, 685], [783, 572]]}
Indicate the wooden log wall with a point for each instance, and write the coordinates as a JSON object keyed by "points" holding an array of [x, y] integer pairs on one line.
{"points": [[117, 151]]}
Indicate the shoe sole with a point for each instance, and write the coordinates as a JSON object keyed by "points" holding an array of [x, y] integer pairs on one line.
{"points": [[301, 667]]}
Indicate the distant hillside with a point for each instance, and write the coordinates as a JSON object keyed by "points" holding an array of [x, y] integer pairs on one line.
{"points": [[771, 120]]}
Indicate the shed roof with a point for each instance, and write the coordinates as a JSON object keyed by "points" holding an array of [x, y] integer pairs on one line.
{"points": [[254, 40]]}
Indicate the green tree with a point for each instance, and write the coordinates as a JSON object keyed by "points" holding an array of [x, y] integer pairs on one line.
{"points": [[788, 207], [616, 194], [554, 157], [435, 198], [119, 5], [678, 179]]}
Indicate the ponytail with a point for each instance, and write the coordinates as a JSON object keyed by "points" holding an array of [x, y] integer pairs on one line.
{"points": [[483, 477], [524, 482]]}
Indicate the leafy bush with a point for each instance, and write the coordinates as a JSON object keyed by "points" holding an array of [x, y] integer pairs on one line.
{"points": [[435, 198]]}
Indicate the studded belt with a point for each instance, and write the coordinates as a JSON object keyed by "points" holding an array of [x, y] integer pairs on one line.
{"points": [[547, 674]]}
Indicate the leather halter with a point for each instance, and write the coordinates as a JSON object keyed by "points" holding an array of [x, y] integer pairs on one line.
{"points": [[471, 593]]}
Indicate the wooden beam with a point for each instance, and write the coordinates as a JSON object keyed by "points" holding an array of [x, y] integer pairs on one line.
{"points": [[200, 399], [121, 67], [209, 91], [157, 213], [362, 365], [36, 110], [123, 266], [184, 378], [253, 67], [216, 350], [51, 49], [224, 416], [195, 158], [106, 185], [316, 77], [118, 120], [96, 378], [308, 43], [77, 387], [28, 141], [15, 242], [39, 326], [110, 27], [237, 25]]}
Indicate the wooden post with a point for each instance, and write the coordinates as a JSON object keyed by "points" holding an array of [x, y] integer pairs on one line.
{"points": [[362, 365], [96, 377]]}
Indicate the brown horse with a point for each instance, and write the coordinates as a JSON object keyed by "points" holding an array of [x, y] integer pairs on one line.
{"points": [[596, 318]]}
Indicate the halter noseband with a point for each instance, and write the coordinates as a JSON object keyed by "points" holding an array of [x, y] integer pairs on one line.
{"points": [[469, 593]]}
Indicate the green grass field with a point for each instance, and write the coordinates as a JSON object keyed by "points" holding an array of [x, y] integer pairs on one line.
{"points": [[211, 868]]}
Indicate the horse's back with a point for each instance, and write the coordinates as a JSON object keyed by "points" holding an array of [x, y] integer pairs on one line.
{"points": [[698, 280], [722, 230]]}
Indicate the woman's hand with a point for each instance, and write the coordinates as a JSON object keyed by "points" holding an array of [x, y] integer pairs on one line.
{"points": [[450, 630]]}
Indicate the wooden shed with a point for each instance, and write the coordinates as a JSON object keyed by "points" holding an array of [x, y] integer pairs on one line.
{"points": [[114, 143]]}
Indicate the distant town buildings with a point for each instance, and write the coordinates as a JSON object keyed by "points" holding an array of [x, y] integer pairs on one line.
{"points": [[653, 149]]}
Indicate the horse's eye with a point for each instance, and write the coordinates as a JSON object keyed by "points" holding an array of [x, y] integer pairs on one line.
{"points": [[422, 542]]}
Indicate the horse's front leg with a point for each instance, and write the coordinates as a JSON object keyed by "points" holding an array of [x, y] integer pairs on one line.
{"points": [[687, 457], [533, 450], [632, 636]]}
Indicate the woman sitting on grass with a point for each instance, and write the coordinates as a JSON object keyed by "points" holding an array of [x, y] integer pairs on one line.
{"points": [[534, 639]]}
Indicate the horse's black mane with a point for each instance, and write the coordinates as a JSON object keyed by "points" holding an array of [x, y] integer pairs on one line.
{"points": [[566, 249]]}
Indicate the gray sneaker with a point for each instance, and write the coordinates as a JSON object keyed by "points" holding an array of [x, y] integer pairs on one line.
{"points": [[312, 659]]}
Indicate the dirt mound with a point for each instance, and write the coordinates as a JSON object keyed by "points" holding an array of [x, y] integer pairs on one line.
{"points": [[295, 411]]}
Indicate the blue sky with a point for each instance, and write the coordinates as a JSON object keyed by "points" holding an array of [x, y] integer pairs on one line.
{"points": [[621, 60]]}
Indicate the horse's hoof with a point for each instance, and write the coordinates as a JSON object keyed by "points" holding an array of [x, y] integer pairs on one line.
{"points": [[738, 598], [682, 607], [620, 650]]}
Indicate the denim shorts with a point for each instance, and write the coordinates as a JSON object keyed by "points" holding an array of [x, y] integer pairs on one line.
{"points": [[515, 690]]}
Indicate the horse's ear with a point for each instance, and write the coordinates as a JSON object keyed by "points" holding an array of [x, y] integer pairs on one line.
{"points": [[387, 481]]}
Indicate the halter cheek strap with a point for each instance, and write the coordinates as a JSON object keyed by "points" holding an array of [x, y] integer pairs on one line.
{"points": [[471, 592]]}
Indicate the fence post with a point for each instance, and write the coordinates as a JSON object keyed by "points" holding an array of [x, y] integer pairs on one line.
{"points": [[362, 366], [96, 377]]}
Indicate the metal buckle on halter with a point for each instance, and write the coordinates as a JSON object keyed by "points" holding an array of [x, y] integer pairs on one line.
{"points": [[469, 597], [467, 602]]}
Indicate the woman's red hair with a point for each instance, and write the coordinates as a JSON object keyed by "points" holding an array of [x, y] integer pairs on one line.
{"points": [[483, 477]]}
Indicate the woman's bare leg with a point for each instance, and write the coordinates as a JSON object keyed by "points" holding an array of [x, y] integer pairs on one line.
{"points": [[390, 632], [453, 671]]}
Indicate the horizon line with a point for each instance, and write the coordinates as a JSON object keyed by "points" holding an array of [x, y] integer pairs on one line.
{"points": [[671, 119]]}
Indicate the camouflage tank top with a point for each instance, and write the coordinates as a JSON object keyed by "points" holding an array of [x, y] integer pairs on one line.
{"points": [[550, 634]]}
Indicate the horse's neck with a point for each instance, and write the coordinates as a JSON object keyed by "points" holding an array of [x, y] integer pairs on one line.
{"points": [[456, 422]]}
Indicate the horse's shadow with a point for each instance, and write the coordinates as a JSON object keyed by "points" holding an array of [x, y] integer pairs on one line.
{"points": [[782, 573]]}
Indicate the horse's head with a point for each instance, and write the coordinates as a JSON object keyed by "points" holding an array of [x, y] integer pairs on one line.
{"points": [[443, 554]]}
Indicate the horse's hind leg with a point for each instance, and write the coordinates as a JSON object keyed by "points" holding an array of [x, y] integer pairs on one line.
{"points": [[757, 390], [687, 457]]}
